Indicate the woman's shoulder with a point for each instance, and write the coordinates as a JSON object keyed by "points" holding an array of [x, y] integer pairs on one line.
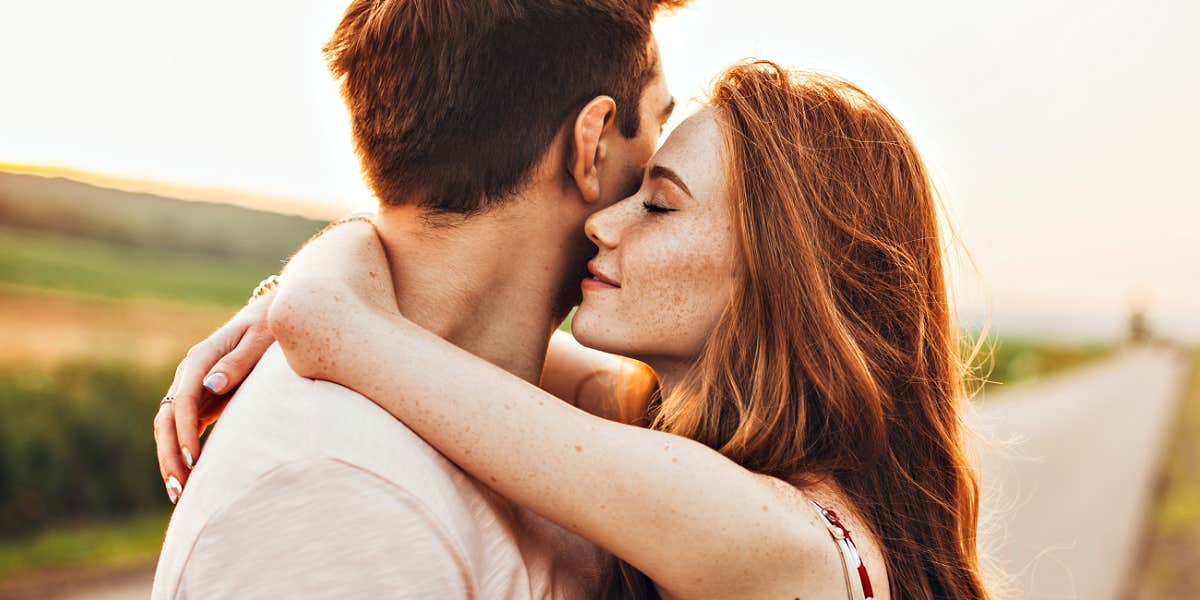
{"points": [[820, 567]]}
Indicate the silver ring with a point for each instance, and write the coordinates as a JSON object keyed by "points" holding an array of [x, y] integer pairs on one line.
{"points": [[166, 400]]}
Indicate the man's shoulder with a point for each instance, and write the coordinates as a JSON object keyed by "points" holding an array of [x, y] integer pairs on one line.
{"points": [[278, 418], [315, 524], [287, 436], [285, 417]]}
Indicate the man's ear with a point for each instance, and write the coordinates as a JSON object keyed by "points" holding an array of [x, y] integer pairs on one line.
{"points": [[589, 146]]}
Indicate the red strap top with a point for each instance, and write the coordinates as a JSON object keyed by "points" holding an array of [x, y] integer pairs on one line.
{"points": [[849, 552]]}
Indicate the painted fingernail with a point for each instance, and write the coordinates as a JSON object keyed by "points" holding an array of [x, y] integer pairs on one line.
{"points": [[216, 382], [173, 489], [187, 458]]}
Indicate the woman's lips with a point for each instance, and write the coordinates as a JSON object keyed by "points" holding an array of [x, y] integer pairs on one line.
{"points": [[598, 281], [594, 284]]}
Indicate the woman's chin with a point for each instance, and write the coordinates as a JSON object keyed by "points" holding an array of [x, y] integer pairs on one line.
{"points": [[589, 330]]}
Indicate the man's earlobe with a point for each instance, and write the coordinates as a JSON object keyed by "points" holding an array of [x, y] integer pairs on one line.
{"points": [[590, 148]]}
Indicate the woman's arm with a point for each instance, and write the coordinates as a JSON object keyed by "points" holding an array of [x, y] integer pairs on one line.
{"points": [[606, 385], [352, 254], [694, 521]]}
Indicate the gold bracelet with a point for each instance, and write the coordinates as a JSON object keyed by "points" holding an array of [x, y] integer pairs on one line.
{"points": [[266, 286]]}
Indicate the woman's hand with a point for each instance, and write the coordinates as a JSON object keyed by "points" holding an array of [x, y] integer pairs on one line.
{"points": [[213, 369], [348, 255], [204, 382]]}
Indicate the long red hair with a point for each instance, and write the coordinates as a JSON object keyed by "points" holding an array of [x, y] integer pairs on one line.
{"points": [[839, 356]]}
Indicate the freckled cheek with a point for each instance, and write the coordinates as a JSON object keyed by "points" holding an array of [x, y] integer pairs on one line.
{"points": [[679, 285]]}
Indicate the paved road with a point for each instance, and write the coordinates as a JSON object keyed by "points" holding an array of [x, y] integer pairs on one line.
{"points": [[1069, 496], [132, 586], [121, 583]]}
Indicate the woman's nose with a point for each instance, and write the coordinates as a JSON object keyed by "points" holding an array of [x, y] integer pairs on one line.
{"points": [[601, 227]]}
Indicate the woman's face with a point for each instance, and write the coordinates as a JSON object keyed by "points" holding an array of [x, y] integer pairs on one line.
{"points": [[666, 264]]}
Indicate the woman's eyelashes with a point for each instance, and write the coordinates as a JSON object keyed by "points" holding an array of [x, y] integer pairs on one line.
{"points": [[657, 205]]}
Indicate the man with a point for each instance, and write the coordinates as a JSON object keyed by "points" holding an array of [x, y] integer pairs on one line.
{"points": [[489, 131]]}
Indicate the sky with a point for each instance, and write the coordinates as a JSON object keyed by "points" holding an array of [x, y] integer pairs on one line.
{"points": [[1063, 132]]}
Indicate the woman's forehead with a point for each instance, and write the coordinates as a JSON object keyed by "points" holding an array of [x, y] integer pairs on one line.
{"points": [[694, 150]]}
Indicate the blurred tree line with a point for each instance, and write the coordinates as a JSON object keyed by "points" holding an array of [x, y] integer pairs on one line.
{"points": [[76, 443]]}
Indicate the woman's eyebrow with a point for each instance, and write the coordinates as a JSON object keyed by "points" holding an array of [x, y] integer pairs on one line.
{"points": [[657, 171]]}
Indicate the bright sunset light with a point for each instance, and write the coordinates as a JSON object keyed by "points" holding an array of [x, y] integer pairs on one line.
{"points": [[1063, 132], [748, 379]]}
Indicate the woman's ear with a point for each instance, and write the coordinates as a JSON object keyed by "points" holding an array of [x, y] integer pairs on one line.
{"points": [[589, 146]]}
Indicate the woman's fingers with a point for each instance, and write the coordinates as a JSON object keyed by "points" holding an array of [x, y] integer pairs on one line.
{"points": [[232, 369], [246, 341], [199, 391], [170, 466], [191, 394], [215, 367]]}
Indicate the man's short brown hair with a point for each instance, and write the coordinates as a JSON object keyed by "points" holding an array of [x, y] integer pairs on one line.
{"points": [[454, 101]]}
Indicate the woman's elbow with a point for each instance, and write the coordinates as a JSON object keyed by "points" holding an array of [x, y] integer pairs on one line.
{"points": [[300, 319]]}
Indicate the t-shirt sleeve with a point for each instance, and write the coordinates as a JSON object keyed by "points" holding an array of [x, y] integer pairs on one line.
{"points": [[324, 530]]}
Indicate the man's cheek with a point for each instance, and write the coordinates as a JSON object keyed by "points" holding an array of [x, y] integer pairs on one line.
{"points": [[633, 181]]}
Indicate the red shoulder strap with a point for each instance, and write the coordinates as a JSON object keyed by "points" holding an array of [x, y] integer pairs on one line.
{"points": [[850, 556]]}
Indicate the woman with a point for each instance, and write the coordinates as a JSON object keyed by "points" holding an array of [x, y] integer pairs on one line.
{"points": [[781, 272]]}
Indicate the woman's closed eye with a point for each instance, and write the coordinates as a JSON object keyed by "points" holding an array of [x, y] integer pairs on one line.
{"points": [[658, 203], [655, 208]]}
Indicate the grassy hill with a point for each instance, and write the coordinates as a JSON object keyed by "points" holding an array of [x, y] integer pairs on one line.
{"points": [[54, 261], [148, 221], [64, 235]]}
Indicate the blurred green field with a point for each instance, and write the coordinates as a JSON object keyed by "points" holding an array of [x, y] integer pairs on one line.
{"points": [[122, 541], [58, 262], [1014, 360]]}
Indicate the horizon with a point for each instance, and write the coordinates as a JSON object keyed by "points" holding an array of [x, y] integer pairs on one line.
{"points": [[313, 209], [977, 318], [1060, 131]]}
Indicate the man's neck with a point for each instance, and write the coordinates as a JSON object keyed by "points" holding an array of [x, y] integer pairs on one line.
{"points": [[492, 284]]}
